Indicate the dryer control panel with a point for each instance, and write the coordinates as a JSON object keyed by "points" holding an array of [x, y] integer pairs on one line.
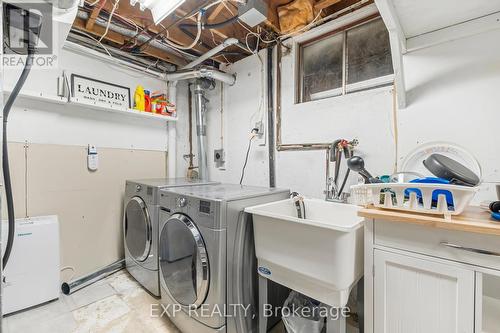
{"points": [[205, 207]]}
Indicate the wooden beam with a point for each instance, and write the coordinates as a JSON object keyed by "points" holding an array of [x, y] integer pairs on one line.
{"points": [[213, 15], [98, 31], [168, 57], [94, 14], [322, 4], [273, 21], [115, 37], [194, 18]]}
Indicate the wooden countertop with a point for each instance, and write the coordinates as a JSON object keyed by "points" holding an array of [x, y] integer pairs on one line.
{"points": [[473, 219]]}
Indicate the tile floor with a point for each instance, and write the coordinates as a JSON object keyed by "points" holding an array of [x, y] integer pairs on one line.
{"points": [[117, 304]]}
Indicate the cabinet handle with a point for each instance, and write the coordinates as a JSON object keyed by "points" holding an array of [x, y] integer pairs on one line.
{"points": [[470, 249]]}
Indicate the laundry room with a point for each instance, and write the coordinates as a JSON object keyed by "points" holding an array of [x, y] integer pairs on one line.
{"points": [[244, 166]]}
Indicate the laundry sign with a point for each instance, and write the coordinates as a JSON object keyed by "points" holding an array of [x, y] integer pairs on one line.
{"points": [[91, 91]]}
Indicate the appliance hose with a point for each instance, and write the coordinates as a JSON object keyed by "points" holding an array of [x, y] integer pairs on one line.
{"points": [[5, 155]]}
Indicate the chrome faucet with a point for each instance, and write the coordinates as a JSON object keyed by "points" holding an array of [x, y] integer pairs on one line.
{"points": [[333, 191], [299, 204]]}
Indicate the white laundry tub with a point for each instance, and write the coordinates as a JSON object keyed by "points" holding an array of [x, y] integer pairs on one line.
{"points": [[320, 256]]}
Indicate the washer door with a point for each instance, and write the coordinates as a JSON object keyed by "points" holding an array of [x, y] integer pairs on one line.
{"points": [[184, 265], [137, 228]]}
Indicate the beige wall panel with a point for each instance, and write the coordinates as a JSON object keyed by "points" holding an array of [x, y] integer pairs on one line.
{"points": [[89, 204], [17, 174]]}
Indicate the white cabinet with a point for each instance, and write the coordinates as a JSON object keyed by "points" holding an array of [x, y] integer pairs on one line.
{"points": [[420, 279], [488, 302], [412, 295]]}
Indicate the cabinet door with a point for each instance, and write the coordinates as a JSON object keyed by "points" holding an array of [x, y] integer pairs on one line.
{"points": [[488, 302], [421, 296]]}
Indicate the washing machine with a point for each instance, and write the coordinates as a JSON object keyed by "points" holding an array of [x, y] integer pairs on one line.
{"points": [[140, 227], [208, 269]]}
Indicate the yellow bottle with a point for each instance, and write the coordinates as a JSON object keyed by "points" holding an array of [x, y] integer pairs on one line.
{"points": [[139, 98]]}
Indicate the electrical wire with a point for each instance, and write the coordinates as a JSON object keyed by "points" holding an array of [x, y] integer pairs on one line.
{"points": [[98, 42], [195, 41], [253, 134], [115, 5], [246, 160], [130, 22], [5, 155], [112, 58], [309, 25], [73, 271], [95, 3], [215, 43]]}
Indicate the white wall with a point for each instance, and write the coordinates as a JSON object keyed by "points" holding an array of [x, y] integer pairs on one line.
{"points": [[50, 174], [40, 122], [240, 112], [452, 96]]}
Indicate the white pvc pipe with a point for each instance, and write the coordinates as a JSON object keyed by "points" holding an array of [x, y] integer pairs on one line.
{"points": [[212, 52], [172, 134], [201, 73]]}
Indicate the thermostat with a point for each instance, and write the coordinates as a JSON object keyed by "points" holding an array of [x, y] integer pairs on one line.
{"points": [[92, 158]]}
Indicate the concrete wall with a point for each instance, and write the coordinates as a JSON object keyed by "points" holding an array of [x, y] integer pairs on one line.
{"points": [[49, 160], [452, 97]]}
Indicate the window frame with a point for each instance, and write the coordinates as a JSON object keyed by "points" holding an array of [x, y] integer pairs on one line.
{"points": [[345, 88]]}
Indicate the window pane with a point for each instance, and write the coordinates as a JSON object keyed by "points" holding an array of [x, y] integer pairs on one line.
{"points": [[322, 68], [368, 52]]}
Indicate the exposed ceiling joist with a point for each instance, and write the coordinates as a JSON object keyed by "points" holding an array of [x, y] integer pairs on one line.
{"points": [[98, 31], [94, 14], [322, 4], [119, 39], [213, 15], [180, 28]]}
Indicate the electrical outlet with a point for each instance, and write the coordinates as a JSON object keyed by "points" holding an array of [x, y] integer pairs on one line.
{"points": [[219, 158], [261, 139], [260, 126]]}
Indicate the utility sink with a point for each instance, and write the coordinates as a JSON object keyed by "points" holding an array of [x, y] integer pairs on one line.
{"points": [[320, 256]]}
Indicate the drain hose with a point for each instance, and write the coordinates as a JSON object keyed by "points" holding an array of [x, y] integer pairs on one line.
{"points": [[5, 155]]}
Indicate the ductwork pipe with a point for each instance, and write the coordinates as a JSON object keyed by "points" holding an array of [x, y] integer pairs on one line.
{"points": [[228, 42], [131, 33], [172, 134], [202, 73], [70, 287], [201, 127]]}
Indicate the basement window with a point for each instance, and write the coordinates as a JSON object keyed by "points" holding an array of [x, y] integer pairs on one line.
{"points": [[353, 59]]}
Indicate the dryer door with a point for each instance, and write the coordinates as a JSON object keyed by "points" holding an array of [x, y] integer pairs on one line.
{"points": [[184, 266], [137, 229]]}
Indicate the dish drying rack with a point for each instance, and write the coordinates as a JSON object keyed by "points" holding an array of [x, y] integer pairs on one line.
{"points": [[415, 197]]}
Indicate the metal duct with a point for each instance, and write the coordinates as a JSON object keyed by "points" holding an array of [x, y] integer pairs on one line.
{"points": [[201, 128], [201, 73], [132, 34], [204, 79], [83, 45], [70, 287]]}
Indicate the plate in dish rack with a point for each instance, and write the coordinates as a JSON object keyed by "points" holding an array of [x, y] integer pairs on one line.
{"points": [[414, 160]]}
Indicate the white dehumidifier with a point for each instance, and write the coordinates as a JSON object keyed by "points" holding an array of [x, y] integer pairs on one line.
{"points": [[32, 275]]}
